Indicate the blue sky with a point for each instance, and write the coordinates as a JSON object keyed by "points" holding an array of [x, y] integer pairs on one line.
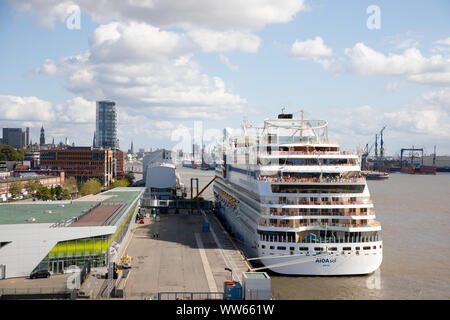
{"points": [[168, 67]]}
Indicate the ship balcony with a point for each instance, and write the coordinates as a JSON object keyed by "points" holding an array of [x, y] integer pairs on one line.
{"points": [[320, 201], [331, 239], [307, 153], [297, 225], [292, 212], [326, 181]]}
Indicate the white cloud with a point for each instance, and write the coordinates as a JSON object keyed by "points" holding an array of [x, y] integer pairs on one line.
{"points": [[227, 62], [310, 49], [316, 50], [223, 41], [166, 83], [218, 15], [424, 121], [443, 41], [25, 109], [410, 65]]}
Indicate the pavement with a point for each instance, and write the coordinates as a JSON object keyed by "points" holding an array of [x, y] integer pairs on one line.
{"points": [[182, 258], [53, 284]]}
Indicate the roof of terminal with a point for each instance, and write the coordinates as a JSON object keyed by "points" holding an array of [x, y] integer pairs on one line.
{"points": [[56, 211]]}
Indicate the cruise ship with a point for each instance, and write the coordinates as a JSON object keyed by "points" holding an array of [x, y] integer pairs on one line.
{"points": [[296, 202]]}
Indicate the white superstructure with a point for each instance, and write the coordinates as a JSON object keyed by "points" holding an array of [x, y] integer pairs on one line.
{"points": [[296, 201]]}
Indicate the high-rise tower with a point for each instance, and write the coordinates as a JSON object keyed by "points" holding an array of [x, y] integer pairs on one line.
{"points": [[106, 125]]}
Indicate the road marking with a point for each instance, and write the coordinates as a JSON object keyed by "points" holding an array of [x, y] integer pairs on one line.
{"points": [[206, 267]]}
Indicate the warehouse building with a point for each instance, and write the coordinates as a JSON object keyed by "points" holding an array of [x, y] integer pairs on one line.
{"points": [[57, 235]]}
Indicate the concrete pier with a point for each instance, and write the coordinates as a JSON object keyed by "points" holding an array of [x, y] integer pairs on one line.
{"points": [[182, 258]]}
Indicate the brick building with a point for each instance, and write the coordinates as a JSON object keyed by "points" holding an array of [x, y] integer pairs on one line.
{"points": [[82, 163]]}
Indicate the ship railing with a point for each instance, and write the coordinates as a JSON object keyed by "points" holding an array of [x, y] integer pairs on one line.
{"points": [[274, 163], [318, 153], [291, 224], [311, 180], [347, 213], [318, 202], [347, 239]]}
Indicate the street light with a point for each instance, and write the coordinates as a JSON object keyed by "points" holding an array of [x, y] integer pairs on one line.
{"points": [[231, 270]]}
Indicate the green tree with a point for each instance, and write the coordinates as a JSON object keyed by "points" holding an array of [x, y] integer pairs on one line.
{"points": [[15, 189], [8, 153], [92, 186], [71, 185], [56, 191], [32, 186], [119, 183], [130, 177], [65, 195], [44, 193]]}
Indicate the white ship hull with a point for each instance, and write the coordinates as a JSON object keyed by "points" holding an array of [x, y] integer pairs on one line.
{"points": [[327, 263]]}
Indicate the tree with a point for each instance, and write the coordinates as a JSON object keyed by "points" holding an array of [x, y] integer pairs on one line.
{"points": [[71, 185], [8, 153], [130, 177], [65, 194], [119, 183], [44, 193], [56, 191], [92, 186], [15, 189], [32, 186]]}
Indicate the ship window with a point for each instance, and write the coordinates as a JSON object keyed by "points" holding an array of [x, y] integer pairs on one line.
{"points": [[291, 248], [366, 248], [318, 249], [374, 247], [263, 246], [358, 248], [272, 247], [332, 249], [303, 249], [380, 246], [346, 248], [281, 248]]}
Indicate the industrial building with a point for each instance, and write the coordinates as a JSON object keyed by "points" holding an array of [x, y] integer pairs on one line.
{"points": [[57, 235]]}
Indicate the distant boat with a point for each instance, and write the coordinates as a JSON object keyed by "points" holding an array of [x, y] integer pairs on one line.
{"points": [[375, 175]]}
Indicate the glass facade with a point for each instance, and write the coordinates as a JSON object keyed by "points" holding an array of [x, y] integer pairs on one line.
{"points": [[77, 252], [106, 125]]}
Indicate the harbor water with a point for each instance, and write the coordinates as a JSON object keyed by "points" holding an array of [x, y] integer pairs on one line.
{"points": [[414, 211]]}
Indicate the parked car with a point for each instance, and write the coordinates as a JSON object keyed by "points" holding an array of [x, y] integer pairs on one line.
{"points": [[40, 274]]}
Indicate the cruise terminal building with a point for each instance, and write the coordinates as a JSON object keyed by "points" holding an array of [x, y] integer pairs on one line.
{"points": [[56, 235]]}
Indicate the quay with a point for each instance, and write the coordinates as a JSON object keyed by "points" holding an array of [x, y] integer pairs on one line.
{"points": [[184, 261], [182, 258]]}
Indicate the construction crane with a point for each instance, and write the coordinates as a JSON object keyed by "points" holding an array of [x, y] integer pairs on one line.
{"points": [[376, 146], [364, 156], [382, 143]]}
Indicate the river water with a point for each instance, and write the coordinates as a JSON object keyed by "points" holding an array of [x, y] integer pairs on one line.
{"points": [[414, 211]]}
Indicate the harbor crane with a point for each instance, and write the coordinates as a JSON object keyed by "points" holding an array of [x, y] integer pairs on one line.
{"points": [[381, 144]]}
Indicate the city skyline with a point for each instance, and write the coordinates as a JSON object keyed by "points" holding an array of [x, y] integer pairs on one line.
{"points": [[222, 63]]}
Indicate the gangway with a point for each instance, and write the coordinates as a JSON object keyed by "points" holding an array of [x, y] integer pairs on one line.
{"points": [[198, 195]]}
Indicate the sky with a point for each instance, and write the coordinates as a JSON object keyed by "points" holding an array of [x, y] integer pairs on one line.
{"points": [[174, 67]]}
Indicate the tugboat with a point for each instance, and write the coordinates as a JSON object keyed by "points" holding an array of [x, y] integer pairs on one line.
{"points": [[375, 175]]}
